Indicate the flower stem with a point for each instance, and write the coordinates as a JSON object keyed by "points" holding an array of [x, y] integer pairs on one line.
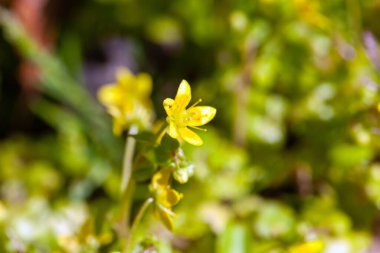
{"points": [[127, 185], [160, 134], [128, 158], [129, 242]]}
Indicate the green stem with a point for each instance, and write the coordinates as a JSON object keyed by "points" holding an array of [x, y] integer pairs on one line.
{"points": [[125, 210], [129, 242], [160, 133], [127, 185], [128, 157]]}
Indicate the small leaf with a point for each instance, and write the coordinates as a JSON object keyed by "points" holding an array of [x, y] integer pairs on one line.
{"points": [[169, 143], [145, 171], [164, 152]]}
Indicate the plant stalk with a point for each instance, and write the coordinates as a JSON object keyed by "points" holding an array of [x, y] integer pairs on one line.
{"points": [[128, 157], [127, 185]]}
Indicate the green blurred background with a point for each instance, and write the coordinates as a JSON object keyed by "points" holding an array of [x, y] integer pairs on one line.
{"points": [[291, 156]]}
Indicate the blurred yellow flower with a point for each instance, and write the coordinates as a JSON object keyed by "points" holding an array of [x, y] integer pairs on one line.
{"points": [[308, 11], [165, 197], [180, 118], [127, 100], [308, 247]]}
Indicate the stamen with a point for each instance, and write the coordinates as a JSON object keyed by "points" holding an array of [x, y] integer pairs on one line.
{"points": [[199, 100], [198, 128]]}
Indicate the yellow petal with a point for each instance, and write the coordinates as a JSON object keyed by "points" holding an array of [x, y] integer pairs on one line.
{"points": [[172, 197], [165, 217], [189, 136], [173, 131], [143, 85], [200, 115], [118, 126], [161, 178], [168, 106], [308, 247], [183, 97], [109, 94], [124, 77], [128, 107]]}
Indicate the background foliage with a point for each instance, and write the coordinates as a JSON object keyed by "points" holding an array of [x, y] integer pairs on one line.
{"points": [[292, 155]]}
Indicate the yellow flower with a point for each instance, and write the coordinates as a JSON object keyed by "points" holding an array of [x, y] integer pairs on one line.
{"points": [[180, 118], [309, 12], [127, 100], [165, 197], [308, 247]]}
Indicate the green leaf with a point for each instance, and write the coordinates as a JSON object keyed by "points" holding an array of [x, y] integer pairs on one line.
{"points": [[169, 143], [144, 137], [144, 171], [164, 152], [350, 155]]}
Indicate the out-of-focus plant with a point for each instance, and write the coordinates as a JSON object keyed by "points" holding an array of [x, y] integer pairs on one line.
{"points": [[128, 100], [291, 165]]}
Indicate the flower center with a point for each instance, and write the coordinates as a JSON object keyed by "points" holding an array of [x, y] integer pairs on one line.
{"points": [[180, 119]]}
